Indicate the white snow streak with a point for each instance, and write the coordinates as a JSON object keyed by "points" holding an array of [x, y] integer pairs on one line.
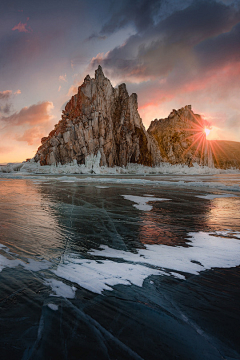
{"points": [[141, 202]]}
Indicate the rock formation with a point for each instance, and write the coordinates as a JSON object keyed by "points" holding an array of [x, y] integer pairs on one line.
{"points": [[181, 138], [100, 120], [103, 121]]}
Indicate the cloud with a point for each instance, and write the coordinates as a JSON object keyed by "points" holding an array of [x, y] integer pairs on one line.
{"points": [[32, 136], [28, 125], [170, 43], [220, 50], [190, 57], [5, 95], [32, 115], [5, 149], [95, 37], [22, 27], [59, 88], [139, 13], [63, 77], [6, 109]]}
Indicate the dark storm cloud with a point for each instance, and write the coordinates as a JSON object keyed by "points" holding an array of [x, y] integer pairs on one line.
{"points": [[220, 50], [96, 37], [169, 45], [138, 12]]}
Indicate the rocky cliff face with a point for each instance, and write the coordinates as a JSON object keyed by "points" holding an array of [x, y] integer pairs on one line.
{"points": [[181, 138], [103, 121]]}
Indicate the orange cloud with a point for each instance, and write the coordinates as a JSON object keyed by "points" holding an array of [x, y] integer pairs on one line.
{"points": [[5, 149], [32, 115], [22, 27], [63, 77], [5, 95], [73, 90], [32, 136]]}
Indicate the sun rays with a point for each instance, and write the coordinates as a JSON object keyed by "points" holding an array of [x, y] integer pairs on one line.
{"points": [[207, 131], [207, 152], [196, 134]]}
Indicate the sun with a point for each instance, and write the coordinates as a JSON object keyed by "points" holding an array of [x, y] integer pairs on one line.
{"points": [[207, 131]]}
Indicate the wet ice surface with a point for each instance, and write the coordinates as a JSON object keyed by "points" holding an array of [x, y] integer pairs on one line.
{"points": [[120, 267]]}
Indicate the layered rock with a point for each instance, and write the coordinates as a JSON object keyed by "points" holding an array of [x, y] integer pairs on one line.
{"points": [[181, 138], [100, 120]]}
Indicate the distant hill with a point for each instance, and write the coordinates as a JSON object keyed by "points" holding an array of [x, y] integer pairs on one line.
{"points": [[226, 154]]}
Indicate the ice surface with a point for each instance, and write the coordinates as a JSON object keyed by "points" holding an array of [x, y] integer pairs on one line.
{"points": [[141, 201], [111, 267], [133, 181]]}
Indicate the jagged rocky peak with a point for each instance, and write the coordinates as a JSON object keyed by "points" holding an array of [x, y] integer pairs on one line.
{"points": [[100, 120], [181, 138]]}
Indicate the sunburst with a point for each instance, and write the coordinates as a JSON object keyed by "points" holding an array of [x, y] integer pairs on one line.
{"points": [[207, 131], [199, 129]]}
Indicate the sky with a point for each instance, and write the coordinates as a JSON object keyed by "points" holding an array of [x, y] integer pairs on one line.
{"points": [[171, 53]]}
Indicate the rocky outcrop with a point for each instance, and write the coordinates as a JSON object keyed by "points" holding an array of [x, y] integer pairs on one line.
{"points": [[181, 138], [102, 123], [100, 120]]}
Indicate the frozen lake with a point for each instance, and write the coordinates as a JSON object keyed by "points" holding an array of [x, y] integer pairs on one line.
{"points": [[119, 267]]}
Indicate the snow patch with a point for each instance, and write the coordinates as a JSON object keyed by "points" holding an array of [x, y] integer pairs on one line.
{"points": [[228, 233], [100, 275], [141, 201], [111, 267], [61, 289], [31, 265], [214, 196], [53, 307]]}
